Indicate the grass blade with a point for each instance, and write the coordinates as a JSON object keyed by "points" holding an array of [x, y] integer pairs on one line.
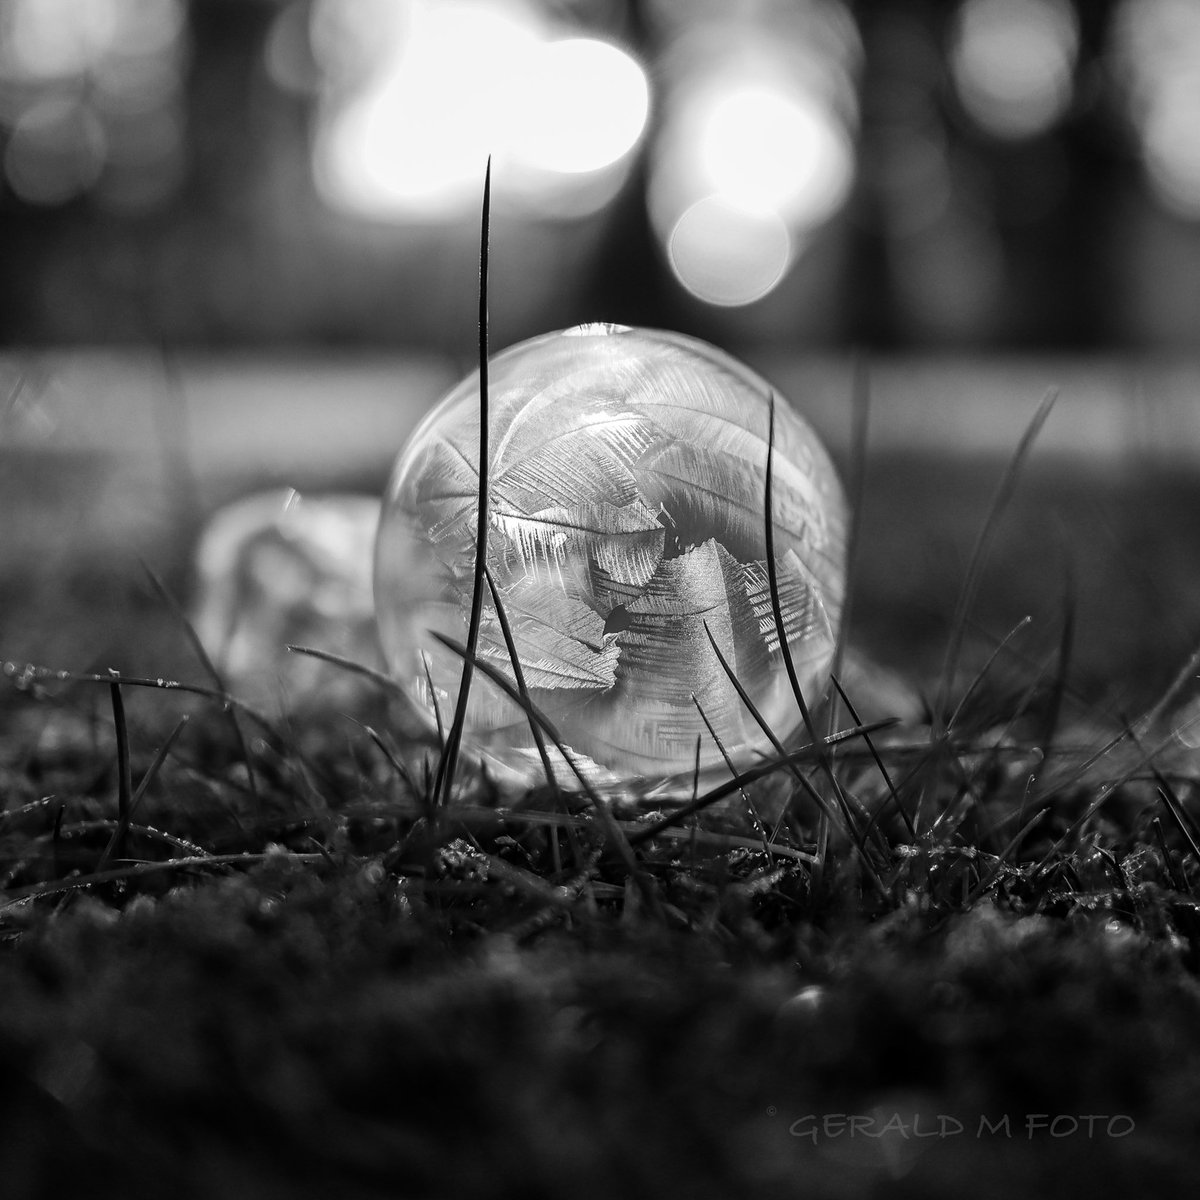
{"points": [[139, 870], [879, 763], [856, 834], [449, 760], [32, 673], [982, 674], [209, 667], [751, 808], [124, 770], [1177, 879], [616, 836], [966, 598], [783, 757], [860, 403], [753, 774], [519, 676], [1175, 807], [1066, 647], [116, 844]]}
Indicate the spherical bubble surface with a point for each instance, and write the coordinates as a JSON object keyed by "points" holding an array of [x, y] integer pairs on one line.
{"points": [[627, 478]]}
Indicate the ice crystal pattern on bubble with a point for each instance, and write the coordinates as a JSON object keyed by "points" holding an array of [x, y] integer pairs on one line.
{"points": [[626, 483]]}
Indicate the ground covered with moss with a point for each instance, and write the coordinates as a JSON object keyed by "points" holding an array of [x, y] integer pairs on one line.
{"points": [[292, 1031], [252, 960]]}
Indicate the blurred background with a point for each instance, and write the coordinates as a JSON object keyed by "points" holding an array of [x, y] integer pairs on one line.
{"points": [[239, 250], [888, 174]]}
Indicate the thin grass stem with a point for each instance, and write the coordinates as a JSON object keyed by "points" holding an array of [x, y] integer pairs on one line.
{"points": [[979, 555], [448, 762], [208, 666]]}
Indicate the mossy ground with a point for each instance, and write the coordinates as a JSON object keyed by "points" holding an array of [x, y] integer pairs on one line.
{"points": [[343, 994]]}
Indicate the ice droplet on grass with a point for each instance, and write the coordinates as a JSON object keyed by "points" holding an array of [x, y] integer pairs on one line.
{"points": [[626, 482]]}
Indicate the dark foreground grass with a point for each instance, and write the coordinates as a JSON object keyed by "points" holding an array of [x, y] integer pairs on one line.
{"points": [[956, 955], [981, 978], [952, 955]]}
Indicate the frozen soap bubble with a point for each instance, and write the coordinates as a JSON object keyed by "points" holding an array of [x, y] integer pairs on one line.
{"points": [[627, 472], [274, 568]]}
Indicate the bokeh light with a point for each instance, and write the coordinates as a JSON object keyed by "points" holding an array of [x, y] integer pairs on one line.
{"points": [[92, 100], [582, 109], [56, 151], [50, 39], [754, 153], [452, 82], [771, 151], [728, 255], [1013, 63], [1157, 53]]}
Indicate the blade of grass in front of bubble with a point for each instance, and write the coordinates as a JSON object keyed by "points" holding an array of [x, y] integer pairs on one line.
{"points": [[519, 678], [751, 808], [614, 833], [534, 728], [856, 834], [449, 759], [802, 779], [751, 775]]}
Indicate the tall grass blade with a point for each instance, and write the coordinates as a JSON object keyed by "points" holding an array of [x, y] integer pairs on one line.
{"points": [[124, 769], [753, 775], [860, 404], [519, 676], [1066, 649], [115, 848], [1185, 675], [449, 760], [983, 672], [783, 759], [879, 763], [856, 834], [751, 808], [189, 631], [979, 555], [613, 832]]}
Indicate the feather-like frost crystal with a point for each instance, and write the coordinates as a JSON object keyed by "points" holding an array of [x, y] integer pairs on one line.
{"points": [[627, 478]]}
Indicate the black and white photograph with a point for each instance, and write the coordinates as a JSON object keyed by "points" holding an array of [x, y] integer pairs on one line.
{"points": [[599, 599]]}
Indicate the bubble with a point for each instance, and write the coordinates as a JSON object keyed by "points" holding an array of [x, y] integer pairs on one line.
{"points": [[627, 473]]}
